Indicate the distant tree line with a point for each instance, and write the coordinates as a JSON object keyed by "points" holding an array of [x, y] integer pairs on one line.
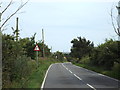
{"points": [[59, 56]]}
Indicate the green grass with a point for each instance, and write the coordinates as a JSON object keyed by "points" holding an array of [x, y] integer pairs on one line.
{"points": [[36, 78], [110, 73]]}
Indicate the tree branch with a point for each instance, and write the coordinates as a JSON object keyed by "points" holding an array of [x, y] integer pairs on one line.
{"points": [[115, 29], [7, 6], [22, 5]]}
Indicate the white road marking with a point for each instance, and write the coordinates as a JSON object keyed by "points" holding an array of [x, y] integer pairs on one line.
{"points": [[98, 73], [77, 77], [64, 66], [91, 86], [85, 69], [108, 77], [67, 68], [77, 66], [45, 77], [70, 71], [101, 74]]}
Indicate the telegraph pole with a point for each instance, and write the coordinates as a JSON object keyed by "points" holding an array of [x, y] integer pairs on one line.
{"points": [[17, 31], [43, 43]]}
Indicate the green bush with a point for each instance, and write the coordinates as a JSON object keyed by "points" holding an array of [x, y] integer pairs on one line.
{"points": [[16, 65], [106, 54], [85, 60], [116, 67]]}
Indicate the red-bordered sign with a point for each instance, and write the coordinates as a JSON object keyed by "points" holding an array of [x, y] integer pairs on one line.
{"points": [[36, 48]]}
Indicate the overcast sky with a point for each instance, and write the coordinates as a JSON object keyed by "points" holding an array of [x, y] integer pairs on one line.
{"points": [[65, 20]]}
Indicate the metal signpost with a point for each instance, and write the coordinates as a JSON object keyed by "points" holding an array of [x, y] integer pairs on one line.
{"points": [[37, 49]]}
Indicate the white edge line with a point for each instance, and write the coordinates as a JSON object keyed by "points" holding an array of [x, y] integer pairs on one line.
{"points": [[99, 73], [45, 77], [91, 86], [108, 77]]}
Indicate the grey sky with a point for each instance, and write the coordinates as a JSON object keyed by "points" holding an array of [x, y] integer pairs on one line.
{"points": [[64, 21]]}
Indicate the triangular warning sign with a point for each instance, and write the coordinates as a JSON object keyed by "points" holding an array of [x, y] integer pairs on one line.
{"points": [[36, 48]]}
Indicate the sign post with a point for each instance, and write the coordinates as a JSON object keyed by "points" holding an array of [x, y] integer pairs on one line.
{"points": [[37, 49]]}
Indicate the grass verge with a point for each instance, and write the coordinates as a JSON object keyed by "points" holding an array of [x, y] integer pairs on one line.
{"points": [[36, 78]]}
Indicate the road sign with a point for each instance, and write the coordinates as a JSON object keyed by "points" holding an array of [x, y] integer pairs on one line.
{"points": [[36, 48]]}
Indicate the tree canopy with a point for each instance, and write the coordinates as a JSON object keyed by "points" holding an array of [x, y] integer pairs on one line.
{"points": [[81, 47]]}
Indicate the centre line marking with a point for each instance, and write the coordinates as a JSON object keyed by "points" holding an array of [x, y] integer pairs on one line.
{"points": [[70, 71], [67, 68], [77, 77], [64, 66]]}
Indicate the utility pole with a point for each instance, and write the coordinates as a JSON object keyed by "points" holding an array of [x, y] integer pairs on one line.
{"points": [[43, 43], [16, 32]]}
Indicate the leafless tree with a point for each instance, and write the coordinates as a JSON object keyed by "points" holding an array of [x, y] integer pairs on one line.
{"points": [[3, 22], [116, 26]]}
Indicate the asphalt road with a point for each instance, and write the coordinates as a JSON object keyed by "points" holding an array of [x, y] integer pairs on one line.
{"points": [[68, 76]]}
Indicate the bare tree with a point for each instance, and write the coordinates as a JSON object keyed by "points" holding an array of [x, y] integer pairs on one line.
{"points": [[117, 26], [11, 15], [118, 19]]}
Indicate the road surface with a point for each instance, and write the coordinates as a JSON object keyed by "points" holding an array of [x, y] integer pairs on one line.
{"points": [[68, 76]]}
